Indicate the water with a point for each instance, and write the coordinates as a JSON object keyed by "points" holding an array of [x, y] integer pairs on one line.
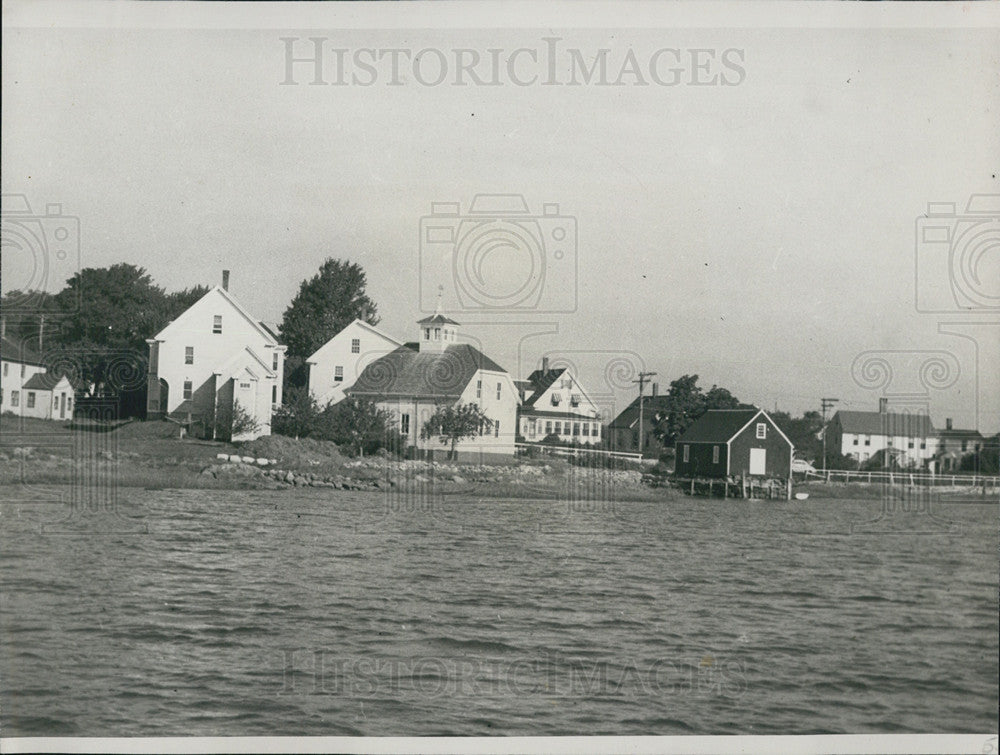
{"points": [[316, 612]]}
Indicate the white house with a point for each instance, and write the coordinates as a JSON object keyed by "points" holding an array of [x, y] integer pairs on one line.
{"points": [[212, 358], [909, 439], [336, 365], [554, 403], [27, 389], [414, 380]]}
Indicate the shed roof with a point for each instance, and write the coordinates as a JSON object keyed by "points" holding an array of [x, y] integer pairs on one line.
{"points": [[885, 423], [406, 372]]}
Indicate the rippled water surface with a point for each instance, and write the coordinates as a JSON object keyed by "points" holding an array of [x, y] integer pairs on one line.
{"points": [[319, 612]]}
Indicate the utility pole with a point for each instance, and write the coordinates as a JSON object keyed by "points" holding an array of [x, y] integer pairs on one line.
{"points": [[826, 403], [643, 377]]}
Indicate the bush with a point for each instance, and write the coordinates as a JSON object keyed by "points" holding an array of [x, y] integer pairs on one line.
{"points": [[235, 421]]}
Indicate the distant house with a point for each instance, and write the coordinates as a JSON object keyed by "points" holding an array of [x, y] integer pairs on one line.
{"points": [[733, 442], [553, 403], [624, 432], [335, 365], [27, 389], [954, 445], [213, 357], [908, 440], [415, 379]]}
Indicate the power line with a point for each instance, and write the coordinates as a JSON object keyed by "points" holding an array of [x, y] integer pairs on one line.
{"points": [[643, 377]]}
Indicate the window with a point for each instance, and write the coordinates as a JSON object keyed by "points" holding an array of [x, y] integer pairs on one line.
{"points": [[965, 443], [427, 334], [923, 445], [31, 400], [437, 334], [479, 389], [15, 398], [595, 430], [868, 442], [855, 441], [338, 374], [22, 370], [498, 390], [217, 324], [531, 428], [761, 430], [558, 426], [5, 368], [715, 454], [687, 453], [187, 389], [189, 355], [555, 399], [909, 443], [274, 394], [635, 438], [889, 442], [576, 428], [244, 386], [585, 430], [274, 363], [574, 400], [496, 428], [548, 428], [355, 345], [404, 424]]}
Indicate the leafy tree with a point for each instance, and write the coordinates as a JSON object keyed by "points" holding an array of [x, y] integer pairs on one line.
{"points": [[450, 424], [299, 416], [804, 432], [326, 304], [684, 403], [358, 425], [231, 422]]}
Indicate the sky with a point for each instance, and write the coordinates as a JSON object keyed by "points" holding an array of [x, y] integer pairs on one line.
{"points": [[761, 231]]}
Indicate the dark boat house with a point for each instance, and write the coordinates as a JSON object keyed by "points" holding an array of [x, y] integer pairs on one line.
{"points": [[725, 443]]}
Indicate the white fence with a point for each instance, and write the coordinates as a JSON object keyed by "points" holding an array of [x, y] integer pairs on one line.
{"points": [[572, 452], [907, 478]]}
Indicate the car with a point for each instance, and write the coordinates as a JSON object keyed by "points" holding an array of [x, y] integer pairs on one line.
{"points": [[801, 465]]}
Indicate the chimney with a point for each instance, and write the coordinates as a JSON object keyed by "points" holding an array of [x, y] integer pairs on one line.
{"points": [[656, 389], [225, 280], [883, 405], [545, 365], [947, 424], [364, 314]]}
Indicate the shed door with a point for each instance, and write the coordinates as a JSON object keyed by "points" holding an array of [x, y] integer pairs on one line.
{"points": [[758, 460]]}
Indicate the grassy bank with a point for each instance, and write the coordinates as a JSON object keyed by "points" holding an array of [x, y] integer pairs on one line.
{"points": [[153, 455]]}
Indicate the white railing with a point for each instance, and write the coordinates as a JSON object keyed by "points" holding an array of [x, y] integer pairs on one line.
{"points": [[906, 478], [564, 451]]}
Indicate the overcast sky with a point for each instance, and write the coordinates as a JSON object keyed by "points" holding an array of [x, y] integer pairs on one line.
{"points": [[761, 234]]}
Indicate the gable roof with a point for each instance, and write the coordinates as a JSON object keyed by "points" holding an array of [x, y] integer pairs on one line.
{"points": [[960, 434], [242, 360], [540, 381], [360, 323], [44, 381], [718, 425], [406, 372], [13, 351], [265, 331], [885, 423], [630, 414]]}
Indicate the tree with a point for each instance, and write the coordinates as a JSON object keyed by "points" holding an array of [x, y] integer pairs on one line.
{"points": [[684, 403], [358, 425], [804, 432], [326, 304], [450, 424], [299, 416], [231, 422]]}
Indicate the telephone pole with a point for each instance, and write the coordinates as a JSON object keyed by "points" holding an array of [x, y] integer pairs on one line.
{"points": [[643, 378], [826, 403]]}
